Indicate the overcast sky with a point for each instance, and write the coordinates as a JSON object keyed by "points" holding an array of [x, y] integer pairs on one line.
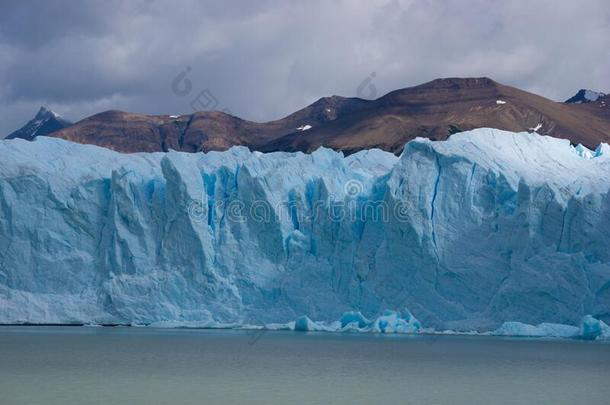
{"points": [[263, 59]]}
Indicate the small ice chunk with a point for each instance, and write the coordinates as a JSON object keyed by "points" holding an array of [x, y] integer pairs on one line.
{"points": [[304, 127], [537, 127], [174, 116], [500, 102], [591, 329], [354, 317], [392, 322], [304, 324]]}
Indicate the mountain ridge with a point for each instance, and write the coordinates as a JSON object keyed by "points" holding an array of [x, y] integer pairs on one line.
{"points": [[44, 123], [435, 110]]}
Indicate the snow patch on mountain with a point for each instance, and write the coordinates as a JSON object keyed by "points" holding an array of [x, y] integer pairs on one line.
{"points": [[585, 96]]}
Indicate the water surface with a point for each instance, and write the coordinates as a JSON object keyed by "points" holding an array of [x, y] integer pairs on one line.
{"points": [[75, 365]]}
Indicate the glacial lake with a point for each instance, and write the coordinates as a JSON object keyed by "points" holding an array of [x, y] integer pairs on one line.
{"points": [[77, 365]]}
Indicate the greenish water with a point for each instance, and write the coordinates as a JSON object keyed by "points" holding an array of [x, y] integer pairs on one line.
{"points": [[76, 365]]}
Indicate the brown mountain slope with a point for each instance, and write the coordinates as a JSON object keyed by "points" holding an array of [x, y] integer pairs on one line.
{"points": [[441, 107], [201, 131], [434, 110]]}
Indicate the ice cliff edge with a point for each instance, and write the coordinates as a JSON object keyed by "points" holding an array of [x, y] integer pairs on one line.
{"points": [[484, 228]]}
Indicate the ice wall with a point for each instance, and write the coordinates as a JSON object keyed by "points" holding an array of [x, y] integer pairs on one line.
{"points": [[485, 228]]}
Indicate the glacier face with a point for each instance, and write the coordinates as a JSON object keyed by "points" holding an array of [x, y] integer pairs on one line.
{"points": [[484, 228]]}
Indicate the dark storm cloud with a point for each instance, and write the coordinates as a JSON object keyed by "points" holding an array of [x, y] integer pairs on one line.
{"points": [[263, 59]]}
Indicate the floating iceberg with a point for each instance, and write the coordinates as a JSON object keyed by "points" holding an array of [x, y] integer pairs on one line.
{"points": [[354, 318], [353, 321], [392, 322], [541, 330], [484, 228], [304, 324], [591, 328]]}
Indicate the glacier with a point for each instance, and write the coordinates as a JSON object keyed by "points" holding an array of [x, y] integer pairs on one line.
{"points": [[486, 231]]}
